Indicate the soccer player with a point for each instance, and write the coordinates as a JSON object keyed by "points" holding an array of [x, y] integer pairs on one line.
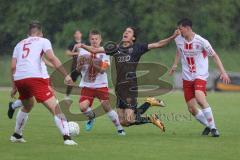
{"points": [[29, 79], [12, 106], [194, 51], [127, 56], [94, 82], [71, 51]]}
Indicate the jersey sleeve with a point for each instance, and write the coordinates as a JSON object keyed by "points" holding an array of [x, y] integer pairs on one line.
{"points": [[47, 45], [208, 48], [142, 48], [14, 52]]}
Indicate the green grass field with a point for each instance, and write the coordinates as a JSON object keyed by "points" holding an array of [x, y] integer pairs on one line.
{"points": [[181, 141]]}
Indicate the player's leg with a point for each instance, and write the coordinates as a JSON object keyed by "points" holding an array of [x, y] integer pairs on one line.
{"points": [[86, 109], [150, 102], [113, 116], [74, 76], [12, 106], [103, 95], [60, 119], [44, 95], [200, 93], [21, 120], [85, 103], [189, 95]]}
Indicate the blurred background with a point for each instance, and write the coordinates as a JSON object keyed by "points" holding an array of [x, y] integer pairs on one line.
{"points": [[217, 21]]}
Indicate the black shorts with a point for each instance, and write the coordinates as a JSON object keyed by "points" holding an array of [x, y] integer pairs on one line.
{"points": [[127, 95]]}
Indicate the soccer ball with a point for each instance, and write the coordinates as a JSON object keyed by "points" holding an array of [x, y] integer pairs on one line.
{"points": [[74, 128]]}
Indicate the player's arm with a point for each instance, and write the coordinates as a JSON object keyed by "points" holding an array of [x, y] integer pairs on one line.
{"points": [[49, 64], [163, 42], [175, 64], [72, 52], [58, 65], [101, 66], [223, 74], [13, 70], [91, 49]]}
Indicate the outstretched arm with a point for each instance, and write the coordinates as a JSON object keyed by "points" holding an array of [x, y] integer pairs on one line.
{"points": [[174, 66], [90, 48], [164, 42], [223, 75]]}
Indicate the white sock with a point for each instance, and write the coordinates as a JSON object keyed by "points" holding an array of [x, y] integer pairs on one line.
{"points": [[209, 116], [21, 120], [114, 118], [17, 104], [201, 118], [62, 124], [89, 113]]}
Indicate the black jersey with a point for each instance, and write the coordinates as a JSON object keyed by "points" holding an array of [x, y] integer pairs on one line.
{"points": [[70, 48], [126, 61]]}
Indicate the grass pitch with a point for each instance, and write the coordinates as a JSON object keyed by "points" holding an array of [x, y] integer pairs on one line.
{"points": [[181, 141]]}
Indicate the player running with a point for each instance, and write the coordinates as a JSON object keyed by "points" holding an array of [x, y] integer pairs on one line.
{"points": [[127, 55], [94, 83], [73, 52], [29, 79], [12, 106], [194, 51]]}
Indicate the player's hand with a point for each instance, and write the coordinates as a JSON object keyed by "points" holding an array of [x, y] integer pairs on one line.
{"points": [[68, 81], [13, 92], [176, 33], [77, 46], [225, 78], [172, 70]]}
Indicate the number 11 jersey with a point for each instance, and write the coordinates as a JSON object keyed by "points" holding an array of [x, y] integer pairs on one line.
{"points": [[194, 57]]}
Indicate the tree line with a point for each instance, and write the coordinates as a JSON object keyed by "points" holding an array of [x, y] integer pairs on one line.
{"points": [[218, 21]]}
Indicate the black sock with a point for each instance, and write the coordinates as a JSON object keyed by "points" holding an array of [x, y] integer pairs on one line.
{"points": [[143, 108], [140, 120], [16, 135], [66, 137], [69, 90]]}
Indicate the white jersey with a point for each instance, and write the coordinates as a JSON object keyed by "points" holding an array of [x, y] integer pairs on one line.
{"points": [[90, 77], [194, 57], [28, 53]]}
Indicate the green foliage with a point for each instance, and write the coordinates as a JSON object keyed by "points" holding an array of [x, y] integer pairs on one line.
{"points": [[218, 21]]}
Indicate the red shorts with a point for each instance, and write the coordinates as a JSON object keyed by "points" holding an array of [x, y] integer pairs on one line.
{"points": [[189, 88], [90, 93], [34, 87]]}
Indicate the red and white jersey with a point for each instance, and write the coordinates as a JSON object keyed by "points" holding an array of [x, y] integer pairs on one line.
{"points": [[28, 53], [194, 57], [91, 78]]}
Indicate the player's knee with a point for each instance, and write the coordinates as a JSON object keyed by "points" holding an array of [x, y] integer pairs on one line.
{"points": [[106, 106]]}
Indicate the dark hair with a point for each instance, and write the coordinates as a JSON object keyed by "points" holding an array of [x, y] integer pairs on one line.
{"points": [[94, 32], [34, 26], [185, 22], [135, 32], [77, 30]]}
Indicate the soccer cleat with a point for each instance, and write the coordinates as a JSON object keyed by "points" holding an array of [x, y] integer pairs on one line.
{"points": [[16, 138], [156, 121], [89, 125], [69, 142], [215, 132], [206, 131], [10, 110], [155, 102], [121, 132]]}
